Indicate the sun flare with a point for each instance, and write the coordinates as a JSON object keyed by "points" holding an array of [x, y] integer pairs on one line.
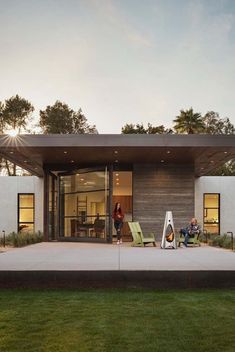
{"points": [[12, 133]]}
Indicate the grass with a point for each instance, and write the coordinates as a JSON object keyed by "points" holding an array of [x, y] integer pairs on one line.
{"points": [[117, 320]]}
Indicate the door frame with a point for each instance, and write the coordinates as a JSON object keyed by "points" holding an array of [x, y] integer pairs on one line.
{"points": [[108, 217]]}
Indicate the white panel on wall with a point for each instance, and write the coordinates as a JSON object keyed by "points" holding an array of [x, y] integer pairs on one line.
{"points": [[10, 186], [225, 186]]}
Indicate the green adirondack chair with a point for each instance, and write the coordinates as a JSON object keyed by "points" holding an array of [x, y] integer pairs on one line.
{"points": [[193, 240], [139, 239]]}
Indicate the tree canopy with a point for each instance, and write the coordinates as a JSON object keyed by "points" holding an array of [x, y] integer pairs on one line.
{"points": [[188, 122], [16, 113], [216, 125], [59, 118], [1, 118], [140, 129], [228, 169]]}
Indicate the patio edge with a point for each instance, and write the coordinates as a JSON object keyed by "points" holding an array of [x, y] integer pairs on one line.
{"points": [[119, 279]]}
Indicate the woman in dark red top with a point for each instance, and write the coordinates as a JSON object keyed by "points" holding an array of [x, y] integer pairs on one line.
{"points": [[118, 217]]}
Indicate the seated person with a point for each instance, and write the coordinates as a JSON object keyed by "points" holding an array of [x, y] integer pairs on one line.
{"points": [[191, 230]]}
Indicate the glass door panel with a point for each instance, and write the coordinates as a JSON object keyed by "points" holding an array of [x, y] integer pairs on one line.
{"points": [[84, 205], [122, 193], [53, 195]]}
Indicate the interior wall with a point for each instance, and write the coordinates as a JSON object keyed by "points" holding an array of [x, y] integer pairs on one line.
{"points": [[122, 193]]}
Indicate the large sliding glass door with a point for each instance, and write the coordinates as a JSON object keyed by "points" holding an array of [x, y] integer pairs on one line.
{"points": [[83, 206]]}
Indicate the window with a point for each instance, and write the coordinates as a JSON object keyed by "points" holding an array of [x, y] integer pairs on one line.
{"points": [[25, 212], [122, 193], [212, 213], [84, 204]]}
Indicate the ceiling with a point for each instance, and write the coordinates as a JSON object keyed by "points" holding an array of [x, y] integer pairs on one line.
{"points": [[62, 152]]}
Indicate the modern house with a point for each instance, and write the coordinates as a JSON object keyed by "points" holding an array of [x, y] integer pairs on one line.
{"points": [[78, 179]]}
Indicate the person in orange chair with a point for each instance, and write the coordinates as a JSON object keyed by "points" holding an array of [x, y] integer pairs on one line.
{"points": [[118, 217], [191, 230]]}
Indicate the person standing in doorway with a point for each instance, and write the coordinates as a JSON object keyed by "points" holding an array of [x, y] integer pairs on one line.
{"points": [[118, 217]]}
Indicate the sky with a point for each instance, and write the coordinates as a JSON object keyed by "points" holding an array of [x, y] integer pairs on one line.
{"points": [[120, 61]]}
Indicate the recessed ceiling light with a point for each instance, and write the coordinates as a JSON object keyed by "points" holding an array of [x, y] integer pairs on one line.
{"points": [[116, 161], [225, 152], [117, 184], [77, 174], [212, 161], [202, 168], [117, 179], [65, 152], [168, 152], [115, 152], [11, 152], [72, 161], [25, 161], [81, 179], [117, 174], [162, 161], [35, 168]]}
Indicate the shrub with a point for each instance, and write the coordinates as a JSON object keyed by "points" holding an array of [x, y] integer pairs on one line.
{"points": [[22, 239], [223, 241]]}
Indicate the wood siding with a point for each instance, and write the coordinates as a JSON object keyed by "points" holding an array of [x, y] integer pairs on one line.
{"points": [[160, 188]]}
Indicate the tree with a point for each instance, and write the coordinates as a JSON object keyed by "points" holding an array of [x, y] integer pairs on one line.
{"points": [[140, 129], [16, 113], [189, 122], [1, 118], [215, 125], [228, 169], [1, 129], [59, 118], [158, 129], [80, 125]]}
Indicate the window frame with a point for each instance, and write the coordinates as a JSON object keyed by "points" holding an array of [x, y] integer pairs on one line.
{"points": [[19, 208], [206, 208]]}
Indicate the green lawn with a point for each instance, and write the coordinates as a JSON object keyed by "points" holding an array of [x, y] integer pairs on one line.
{"points": [[117, 320]]}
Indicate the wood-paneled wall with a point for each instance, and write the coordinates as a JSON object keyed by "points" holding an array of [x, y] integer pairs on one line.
{"points": [[161, 188], [125, 201]]}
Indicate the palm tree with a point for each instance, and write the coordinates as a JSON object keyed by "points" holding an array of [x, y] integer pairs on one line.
{"points": [[189, 122]]}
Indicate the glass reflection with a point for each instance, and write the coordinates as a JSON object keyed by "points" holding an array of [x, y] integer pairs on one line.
{"points": [[83, 205]]}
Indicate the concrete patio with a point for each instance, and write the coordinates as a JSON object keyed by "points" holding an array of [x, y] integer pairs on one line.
{"points": [[86, 265], [86, 256]]}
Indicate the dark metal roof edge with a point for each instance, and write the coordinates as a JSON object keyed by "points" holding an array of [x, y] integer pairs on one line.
{"points": [[117, 140]]}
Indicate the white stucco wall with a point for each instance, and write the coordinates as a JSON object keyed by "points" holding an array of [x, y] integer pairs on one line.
{"points": [[11, 186], [225, 185], [9, 189]]}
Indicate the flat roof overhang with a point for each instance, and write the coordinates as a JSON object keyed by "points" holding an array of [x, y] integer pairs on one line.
{"points": [[61, 152]]}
